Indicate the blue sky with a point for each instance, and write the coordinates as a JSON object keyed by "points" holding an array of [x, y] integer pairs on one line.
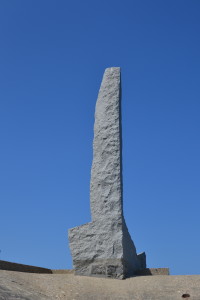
{"points": [[52, 58]]}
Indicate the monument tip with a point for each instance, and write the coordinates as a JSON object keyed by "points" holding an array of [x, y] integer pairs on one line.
{"points": [[113, 69]]}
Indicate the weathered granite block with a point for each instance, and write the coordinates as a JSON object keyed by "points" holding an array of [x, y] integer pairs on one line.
{"points": [[104, 247]]}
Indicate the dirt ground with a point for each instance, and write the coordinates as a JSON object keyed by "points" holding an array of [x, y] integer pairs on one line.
{"points": [[29, 286]]}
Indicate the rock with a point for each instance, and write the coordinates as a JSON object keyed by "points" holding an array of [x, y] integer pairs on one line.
{"points": [[104, 247], [28, 286]]}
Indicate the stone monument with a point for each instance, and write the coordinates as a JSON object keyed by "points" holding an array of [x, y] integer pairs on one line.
{"points": [[103, 247]]}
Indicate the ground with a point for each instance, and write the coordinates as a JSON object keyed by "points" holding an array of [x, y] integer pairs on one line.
{"points": [[29, 286]]}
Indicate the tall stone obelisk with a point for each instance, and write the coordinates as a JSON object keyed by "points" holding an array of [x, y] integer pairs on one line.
{"points": [[104, 247]]}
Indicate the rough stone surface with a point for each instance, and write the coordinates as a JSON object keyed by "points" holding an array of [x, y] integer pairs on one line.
{"points": [[27, 286], [104, 247]]}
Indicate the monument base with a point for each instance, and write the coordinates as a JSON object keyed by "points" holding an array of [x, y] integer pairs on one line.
{"points": [[104, 249], [113, 268], [101, 268]]}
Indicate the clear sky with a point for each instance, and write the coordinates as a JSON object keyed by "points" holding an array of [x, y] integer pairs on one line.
{"points": [[52, 58]]}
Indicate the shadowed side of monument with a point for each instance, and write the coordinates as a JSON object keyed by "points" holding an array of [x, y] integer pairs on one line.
{"points": [[104, 247]]}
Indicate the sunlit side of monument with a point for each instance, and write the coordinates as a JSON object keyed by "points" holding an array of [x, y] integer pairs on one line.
{"points": [[104, 247]]}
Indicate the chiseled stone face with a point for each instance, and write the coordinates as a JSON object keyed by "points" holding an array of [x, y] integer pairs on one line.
{"points": [[106, 183], [104, 247]]}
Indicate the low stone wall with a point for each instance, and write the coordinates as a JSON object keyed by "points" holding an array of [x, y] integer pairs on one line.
{"points": [[10, 266], [152, 271], [63, 271]]}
